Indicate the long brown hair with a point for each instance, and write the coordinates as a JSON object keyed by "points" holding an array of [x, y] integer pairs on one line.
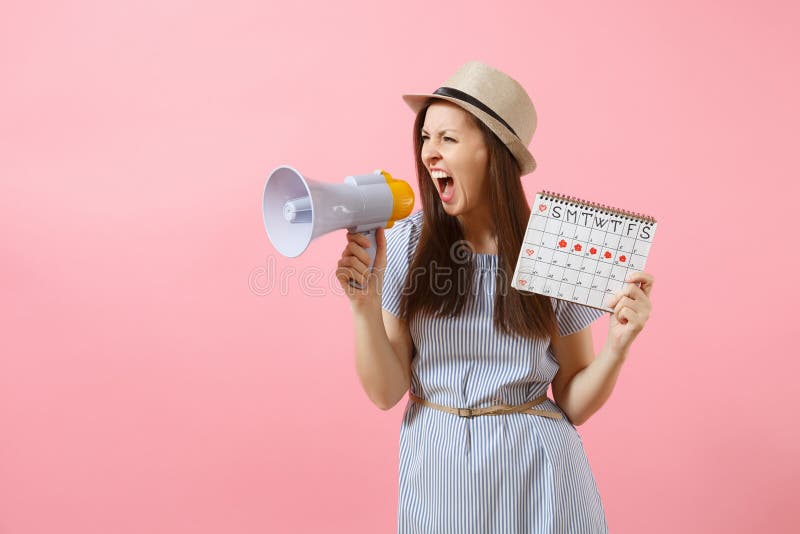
{"points": [[443, 247]]}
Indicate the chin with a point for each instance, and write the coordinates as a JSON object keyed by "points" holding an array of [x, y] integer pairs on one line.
{"points": [[451, 209]]}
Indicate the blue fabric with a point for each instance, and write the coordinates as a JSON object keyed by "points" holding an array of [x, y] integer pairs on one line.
{"points": [[513, 473]]}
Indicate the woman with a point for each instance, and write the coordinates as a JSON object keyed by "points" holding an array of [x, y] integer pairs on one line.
{"points": [[482, 449]]}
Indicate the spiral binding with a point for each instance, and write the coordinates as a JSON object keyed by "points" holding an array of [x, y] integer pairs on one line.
{"points": [[595, 206]]}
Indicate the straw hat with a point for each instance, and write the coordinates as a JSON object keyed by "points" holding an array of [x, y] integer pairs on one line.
{"points": [[496, 99]]}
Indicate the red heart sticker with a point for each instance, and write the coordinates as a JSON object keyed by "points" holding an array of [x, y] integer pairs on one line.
{"points": [[622, 258], [522, 282], [607, 254], [529, 251], [562, 243], [593, 250], [577, 247], [542, 207]]}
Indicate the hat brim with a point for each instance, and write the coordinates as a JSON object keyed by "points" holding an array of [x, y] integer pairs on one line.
{"points": [[416, 101]]}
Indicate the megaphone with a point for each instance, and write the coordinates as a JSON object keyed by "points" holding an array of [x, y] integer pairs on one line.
{"points": [[297, 209]]}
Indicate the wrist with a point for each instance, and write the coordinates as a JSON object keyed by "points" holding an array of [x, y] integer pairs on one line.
{"points": [[365, 307], [615, 352]]}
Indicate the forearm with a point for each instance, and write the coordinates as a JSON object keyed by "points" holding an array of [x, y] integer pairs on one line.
{"points": [[592, 386], [381, 373]]}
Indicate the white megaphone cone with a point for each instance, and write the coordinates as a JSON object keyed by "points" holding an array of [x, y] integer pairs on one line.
{"points": [[297, 210]]}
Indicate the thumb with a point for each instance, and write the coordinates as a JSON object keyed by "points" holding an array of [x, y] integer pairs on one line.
{"points": [[380, 251]]}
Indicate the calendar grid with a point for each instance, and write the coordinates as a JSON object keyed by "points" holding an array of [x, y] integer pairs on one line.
{"points": [[567, 274]]}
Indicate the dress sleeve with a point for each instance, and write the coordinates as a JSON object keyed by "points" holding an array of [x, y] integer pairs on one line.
{"points": [[572, 317], [401, 241]]}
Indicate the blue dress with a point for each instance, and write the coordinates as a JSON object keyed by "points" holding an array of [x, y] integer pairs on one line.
{"points": [[512, 473]]}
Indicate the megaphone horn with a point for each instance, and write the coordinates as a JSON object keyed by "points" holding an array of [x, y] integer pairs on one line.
{"points": [[297, 209]]}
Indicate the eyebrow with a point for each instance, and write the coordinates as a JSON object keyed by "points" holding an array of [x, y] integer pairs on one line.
{"points": [[443, 131]]}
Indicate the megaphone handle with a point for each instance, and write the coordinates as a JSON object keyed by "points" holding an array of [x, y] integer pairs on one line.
{"points": [[373, 246]]}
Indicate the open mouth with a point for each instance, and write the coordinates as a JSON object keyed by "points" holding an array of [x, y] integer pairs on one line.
{"points": [[445, 183]]}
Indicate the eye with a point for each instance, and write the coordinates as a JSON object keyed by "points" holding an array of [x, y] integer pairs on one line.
{"points": [[424, 137]]}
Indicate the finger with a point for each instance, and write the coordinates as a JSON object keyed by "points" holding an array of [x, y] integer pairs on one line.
{"points": [[614, 299], [345, 274], [637, 298], [640, 301], [628, 290], [358, 237], [354, 263], [342, 276], [380, 252], [645, 279], [358, 240], [358, 251], [617, 303], [628, 315], [624, 301], [640, 306], [633, 291]]}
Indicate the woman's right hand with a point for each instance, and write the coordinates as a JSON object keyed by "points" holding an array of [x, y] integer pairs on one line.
{"points": [[354, 264]]}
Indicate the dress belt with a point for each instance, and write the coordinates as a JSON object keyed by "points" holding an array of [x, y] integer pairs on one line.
{"points": [[497, 409]]}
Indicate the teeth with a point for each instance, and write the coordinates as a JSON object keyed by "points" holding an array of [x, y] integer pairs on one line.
{"points": [[439, 174]]}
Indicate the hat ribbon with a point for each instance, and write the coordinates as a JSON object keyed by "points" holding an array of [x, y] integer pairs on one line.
{"points": [[461, 95]]}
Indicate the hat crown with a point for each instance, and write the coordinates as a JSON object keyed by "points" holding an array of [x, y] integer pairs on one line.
{"points": [[501, 93]]}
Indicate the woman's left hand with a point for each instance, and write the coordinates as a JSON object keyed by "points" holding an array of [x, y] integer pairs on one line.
{"points": [[631, 311]]}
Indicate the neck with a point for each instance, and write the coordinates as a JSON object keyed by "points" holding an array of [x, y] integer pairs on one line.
{"points": [[478, 228]]}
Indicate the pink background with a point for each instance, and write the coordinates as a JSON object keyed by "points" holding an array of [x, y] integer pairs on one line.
{"points": [[154, 375]]}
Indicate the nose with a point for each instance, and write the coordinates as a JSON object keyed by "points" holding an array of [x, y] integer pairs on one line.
{"points": [[430, 152]]}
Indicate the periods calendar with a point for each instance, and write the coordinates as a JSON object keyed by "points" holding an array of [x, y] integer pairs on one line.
{"points": [[581, 251]]}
